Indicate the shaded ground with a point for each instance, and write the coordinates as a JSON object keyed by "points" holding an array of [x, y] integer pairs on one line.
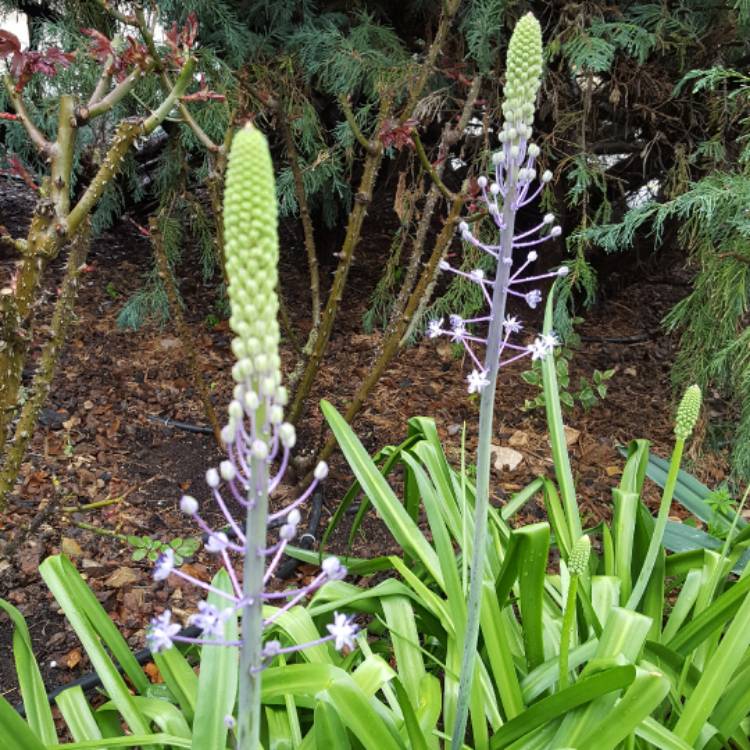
{"points": [[99, 443]]}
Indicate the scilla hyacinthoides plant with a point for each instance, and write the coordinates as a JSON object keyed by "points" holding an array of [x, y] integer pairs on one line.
{"points": [[257, 440], [515, 185]]}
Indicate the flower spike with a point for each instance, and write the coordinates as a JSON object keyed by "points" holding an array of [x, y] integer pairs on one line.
{"points": [[258, 445]]}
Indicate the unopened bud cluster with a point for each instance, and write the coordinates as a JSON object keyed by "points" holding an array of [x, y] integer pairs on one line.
{"points": [[578, 561], [688, 412]]}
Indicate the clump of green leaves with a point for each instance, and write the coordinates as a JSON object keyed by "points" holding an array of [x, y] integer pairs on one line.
{"points": [[589, 392], [148, 548]]}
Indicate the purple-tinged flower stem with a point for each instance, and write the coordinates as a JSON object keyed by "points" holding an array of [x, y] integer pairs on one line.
{"points": [[251, 653], [486, 416]]}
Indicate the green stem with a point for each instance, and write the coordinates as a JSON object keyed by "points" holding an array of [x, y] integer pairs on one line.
{"points": [[481, 507], [661, 523], [565, 632], [248, 714]]}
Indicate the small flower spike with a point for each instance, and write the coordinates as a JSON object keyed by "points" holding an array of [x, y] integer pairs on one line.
{"points": [[510, 189], [258, 445]]}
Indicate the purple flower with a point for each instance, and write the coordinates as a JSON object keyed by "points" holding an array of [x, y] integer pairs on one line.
{"points": [[333, 569], [477, 381], [343, 629], [533, 298], [210, 620], [162, 631], [539, 349], [217, 542], [434, 328], [164, 565], [511, 324]]}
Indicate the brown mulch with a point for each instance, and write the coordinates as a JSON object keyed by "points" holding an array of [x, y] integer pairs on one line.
{"points": [[98, 443]]}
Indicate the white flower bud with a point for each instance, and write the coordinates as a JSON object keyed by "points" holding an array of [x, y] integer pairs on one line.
{"points": [[235, 411], [287, 435], [333, 568], [494, 188], [252, 402], [268, 387], [532, 256], [294, 517], [188, 505], [259, 450], [548, 218], [546, 176], [563, 271], [287, 532], [275, 414], [556, 231], [281, 396], [238, 348], [212, 478], [227, 470], [463, 227], [321, 471], [534, 150], [228, 432], [482, 182], [498, 158]]}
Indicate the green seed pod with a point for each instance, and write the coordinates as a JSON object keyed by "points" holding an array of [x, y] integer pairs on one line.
{"points": [[252, 253], [578, 562], [522, 76], [688, 412]]}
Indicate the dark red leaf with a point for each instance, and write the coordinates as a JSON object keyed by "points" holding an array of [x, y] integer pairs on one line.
{"points": [[101, 47], [9, 44]]}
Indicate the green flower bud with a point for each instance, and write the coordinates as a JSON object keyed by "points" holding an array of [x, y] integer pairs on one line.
{"points": [[688, 412], [578, 562], [252, 253], [523, 73]]}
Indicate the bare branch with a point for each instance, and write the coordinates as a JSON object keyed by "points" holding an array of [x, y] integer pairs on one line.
{"points": [[36, 135]]}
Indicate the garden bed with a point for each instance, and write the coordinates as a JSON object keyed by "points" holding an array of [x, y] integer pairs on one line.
{"points": [[99, 443]]}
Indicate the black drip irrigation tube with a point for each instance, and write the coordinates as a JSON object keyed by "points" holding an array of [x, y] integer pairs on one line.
{"points": [[91, 680]]}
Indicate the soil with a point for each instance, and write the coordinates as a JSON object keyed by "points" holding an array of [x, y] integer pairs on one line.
{"points": [[98, 441]]}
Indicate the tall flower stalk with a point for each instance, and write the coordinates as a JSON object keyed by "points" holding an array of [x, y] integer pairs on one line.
{"points": [[515, 184], [258, 444]]}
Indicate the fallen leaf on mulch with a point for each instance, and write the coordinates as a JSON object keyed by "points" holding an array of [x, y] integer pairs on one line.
{"points": [[70, 547], [571, 435], [153, 673], [72, 658], [122, 577], [506, 457]]}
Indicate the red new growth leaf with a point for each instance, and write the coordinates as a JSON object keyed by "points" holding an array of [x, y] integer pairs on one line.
{"points": [[23, 65], [9, 44], [17, 168], [135, 54], [8, 116], [397, 134], [101, 47], [182, 40], [203, 94]]}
